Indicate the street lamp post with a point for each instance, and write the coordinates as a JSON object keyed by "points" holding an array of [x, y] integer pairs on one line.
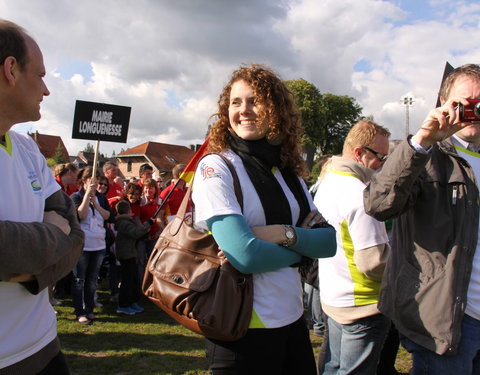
{"points": [[407, 102]]}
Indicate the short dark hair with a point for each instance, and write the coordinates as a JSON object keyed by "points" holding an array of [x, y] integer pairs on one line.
{"points": [[468, 70], [13, 43], [85, 174], [123, 207], [132, 188], [144, 167]]}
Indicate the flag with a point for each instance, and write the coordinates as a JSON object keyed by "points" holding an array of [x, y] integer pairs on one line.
{"points": [[187, 174], [189, 171], [448, 69]]}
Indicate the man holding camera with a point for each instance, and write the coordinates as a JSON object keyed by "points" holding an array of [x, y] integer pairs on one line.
{"points": [[431, 284]]}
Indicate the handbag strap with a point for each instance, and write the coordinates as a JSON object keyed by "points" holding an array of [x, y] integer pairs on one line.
{"points": [[236, 186], [236, 181]]}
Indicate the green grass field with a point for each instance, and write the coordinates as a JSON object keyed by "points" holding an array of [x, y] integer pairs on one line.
{"points": [[147, 343]]}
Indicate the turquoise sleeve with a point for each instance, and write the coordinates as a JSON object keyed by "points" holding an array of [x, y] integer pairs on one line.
{"points": [[244, 251], [316, 243]]}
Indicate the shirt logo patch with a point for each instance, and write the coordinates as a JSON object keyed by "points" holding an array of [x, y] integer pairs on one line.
{"points": [[35, 187], [34, 183], [208, 172]]}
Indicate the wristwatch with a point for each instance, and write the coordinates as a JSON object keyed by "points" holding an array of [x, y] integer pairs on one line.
{"points": [[291, 235]]}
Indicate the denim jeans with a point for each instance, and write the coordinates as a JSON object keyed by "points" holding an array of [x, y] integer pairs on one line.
{"points": [[85, 275], [314, 307], [466, 361], [355, 348]]}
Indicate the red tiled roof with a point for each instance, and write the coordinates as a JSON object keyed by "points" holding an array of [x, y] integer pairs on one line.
{"points": [[164, 156], [49, 144]]}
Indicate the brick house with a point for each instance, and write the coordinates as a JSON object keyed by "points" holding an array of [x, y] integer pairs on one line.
{"points": [[49, 145], [161, 156]]}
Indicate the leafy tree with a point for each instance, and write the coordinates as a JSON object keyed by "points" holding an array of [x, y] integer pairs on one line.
{"points": [[58, 156], [326, 118], [89, 148], [340, 113], [51, 162]]}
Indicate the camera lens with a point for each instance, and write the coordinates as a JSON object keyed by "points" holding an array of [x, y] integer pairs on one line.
{"points": [[476, 110]]}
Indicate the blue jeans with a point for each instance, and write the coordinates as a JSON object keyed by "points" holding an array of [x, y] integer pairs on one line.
{"points": [[465, 362], [85, 275], [355, 348], [314, 307]]}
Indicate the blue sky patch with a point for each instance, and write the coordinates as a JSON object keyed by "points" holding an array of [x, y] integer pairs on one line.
{"points": [[363, 65], [69, 68]]}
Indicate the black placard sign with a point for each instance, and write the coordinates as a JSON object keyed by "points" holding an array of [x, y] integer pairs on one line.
{"points": [[102, 122]]}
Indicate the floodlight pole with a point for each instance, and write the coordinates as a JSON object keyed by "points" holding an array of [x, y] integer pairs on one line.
{"points": [[407, 102]]}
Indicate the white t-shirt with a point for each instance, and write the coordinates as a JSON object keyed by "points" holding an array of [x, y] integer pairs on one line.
{"points": [[473, 294], [278, 294], [340, 200], [27, 321], [93, 226]]}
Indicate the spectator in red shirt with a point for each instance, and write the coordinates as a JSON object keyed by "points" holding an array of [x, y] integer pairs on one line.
{"points": [[110, 170], [133, 194], [66, 176], [175, 199], [145, 172], [148, 207]]}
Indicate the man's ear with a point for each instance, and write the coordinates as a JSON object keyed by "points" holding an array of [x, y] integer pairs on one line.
{"points": [[9, 70], [357, 153]]}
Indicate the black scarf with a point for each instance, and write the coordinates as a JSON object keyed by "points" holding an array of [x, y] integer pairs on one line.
{"points": [[259, 157]]}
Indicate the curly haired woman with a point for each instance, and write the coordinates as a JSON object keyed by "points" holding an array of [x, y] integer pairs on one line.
{"points": [[257, 130]]}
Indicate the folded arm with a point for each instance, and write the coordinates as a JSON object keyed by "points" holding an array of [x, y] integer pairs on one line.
{"points": [[42, 250], [244, 251]]}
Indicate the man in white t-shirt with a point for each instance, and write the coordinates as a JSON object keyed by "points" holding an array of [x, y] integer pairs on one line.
{"points": [[40, 238], [350, 281]]}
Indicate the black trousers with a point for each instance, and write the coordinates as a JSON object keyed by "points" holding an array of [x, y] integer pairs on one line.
{"points": [[130, 287], [277, 351], [57, 366]]}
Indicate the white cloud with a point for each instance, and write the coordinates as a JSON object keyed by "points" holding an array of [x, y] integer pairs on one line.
{"points": [[169, 60]]}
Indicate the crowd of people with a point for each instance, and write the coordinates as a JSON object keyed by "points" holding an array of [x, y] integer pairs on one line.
{"points": [[417, 283], [121, 227]]}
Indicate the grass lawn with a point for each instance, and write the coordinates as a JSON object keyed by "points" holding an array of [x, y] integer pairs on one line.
{"points": [[147, 343]]}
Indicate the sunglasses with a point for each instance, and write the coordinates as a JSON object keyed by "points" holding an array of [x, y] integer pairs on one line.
{"points": [[381, 157], [102, 184]]}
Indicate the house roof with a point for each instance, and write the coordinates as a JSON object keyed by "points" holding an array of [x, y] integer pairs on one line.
{"points": [[164, 156], [49, 144]]}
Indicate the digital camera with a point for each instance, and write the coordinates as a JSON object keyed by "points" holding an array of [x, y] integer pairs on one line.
{"points": [[470, 112]]}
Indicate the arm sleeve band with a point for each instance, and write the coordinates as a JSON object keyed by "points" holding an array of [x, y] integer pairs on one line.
{"points": [[244, 251]]}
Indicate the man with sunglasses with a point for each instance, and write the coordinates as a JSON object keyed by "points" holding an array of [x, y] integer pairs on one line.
{"points": [[431, 287], [350, 281]]}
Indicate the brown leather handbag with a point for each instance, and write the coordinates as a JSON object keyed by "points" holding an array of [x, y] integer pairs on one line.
{"points": [[185, 278]]}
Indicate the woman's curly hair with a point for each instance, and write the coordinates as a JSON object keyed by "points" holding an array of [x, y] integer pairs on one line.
{"points": [[278, 110]]}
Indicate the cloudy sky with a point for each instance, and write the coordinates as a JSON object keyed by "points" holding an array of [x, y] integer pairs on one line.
{"points": [[169, 60]]}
